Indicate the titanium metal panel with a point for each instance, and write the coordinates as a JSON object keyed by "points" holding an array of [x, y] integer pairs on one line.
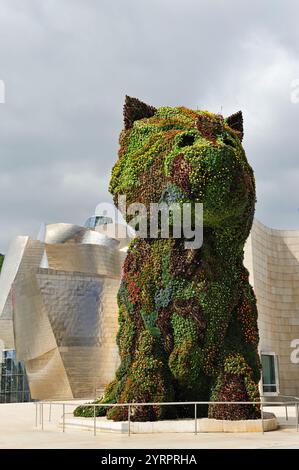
{"points": [[64, 316]]}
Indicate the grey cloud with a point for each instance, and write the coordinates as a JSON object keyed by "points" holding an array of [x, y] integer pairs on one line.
{"points": [[68, 63]]}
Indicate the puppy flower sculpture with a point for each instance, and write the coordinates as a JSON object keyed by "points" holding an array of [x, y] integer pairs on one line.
{"points": [[187, 317]]}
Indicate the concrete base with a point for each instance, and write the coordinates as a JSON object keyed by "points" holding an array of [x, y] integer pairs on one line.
{"points": [[178, 426]]}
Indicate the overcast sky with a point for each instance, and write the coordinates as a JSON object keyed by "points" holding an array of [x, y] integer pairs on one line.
{"points": [[67, 65]]}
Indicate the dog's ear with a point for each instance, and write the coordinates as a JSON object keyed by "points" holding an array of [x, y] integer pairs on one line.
{"points": [[235, 121], [135, 109], [209, 127]]}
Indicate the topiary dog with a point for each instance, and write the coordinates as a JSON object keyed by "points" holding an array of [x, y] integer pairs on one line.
{"points": [[187, 317]]}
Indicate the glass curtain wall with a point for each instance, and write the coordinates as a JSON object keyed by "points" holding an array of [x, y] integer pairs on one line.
{"points": [[13, 380]]}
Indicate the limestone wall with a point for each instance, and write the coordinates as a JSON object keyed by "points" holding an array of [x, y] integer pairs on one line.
{"points": [[272, 257]]}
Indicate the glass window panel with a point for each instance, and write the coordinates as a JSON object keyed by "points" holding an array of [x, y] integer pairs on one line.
{"points": [[268, 371], [269, 388], [14, 383], [13, 380]]}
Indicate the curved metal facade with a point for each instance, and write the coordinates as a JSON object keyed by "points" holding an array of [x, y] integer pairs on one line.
{"points": [[63, 315]]}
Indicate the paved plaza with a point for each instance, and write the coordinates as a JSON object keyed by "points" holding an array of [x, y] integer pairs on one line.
{"points": [[17, 430]]}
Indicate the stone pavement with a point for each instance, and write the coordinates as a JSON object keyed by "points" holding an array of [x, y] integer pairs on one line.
{"points": [[17, 430]]}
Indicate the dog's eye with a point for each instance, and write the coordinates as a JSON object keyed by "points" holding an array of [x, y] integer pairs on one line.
{"points": [[186, 140], [228, 141]]}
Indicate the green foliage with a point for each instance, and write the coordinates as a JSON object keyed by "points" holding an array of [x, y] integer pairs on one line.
{"points": [[88, 411], [186, 359], [1, 261], [149, 380], [150, 320], [235, 383], [187, 318], [163, 297]]}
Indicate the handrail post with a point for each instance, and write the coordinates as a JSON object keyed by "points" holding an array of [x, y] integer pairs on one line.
{"points": [[42, 411], [129, 420], [195, 418], [94, 421], [63, 417], [36, 414], [287, 417], [262, 416]]}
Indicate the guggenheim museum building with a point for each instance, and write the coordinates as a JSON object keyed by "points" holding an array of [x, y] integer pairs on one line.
{"points": [[59, 316]]}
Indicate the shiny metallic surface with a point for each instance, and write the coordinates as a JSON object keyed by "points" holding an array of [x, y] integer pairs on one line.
{"points": [[96, 259], [63, 233], [69, 233], [69, 349], [10, 269], [23, 255], [60, 301]]}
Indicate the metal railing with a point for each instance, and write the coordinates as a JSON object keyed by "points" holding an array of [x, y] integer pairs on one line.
{"points": [[288, 396], [278, 399], [39, 410]]}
